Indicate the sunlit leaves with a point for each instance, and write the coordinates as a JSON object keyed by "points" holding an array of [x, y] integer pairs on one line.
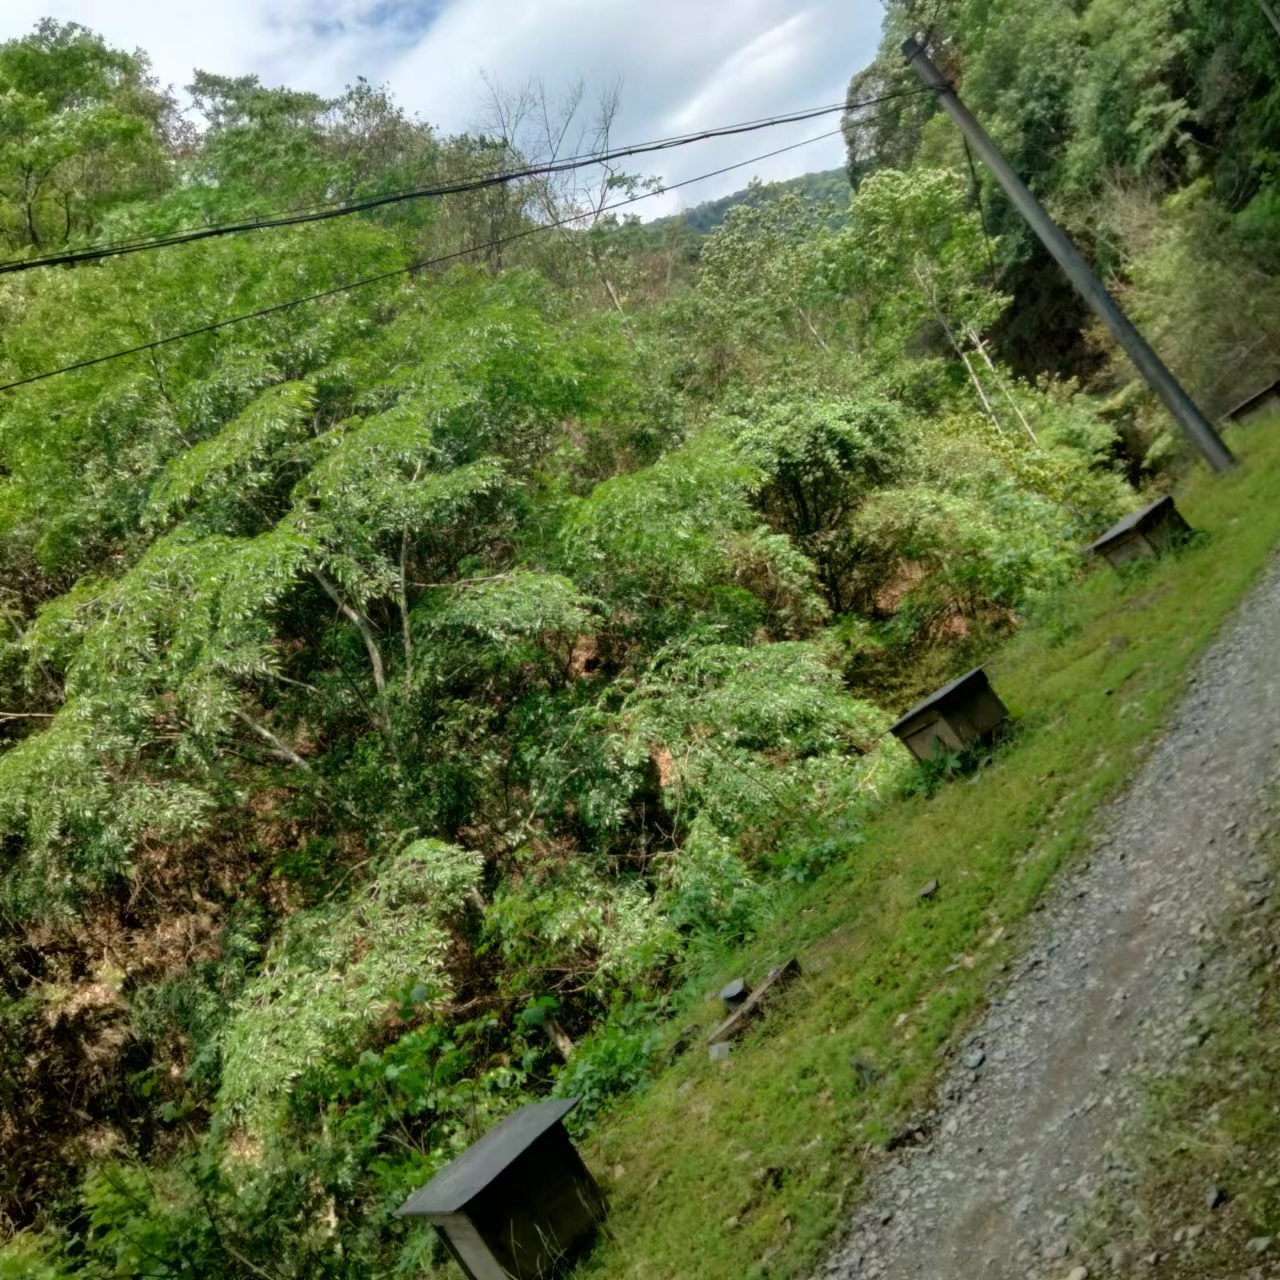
{"points": [[338, 970], [240, 459]]}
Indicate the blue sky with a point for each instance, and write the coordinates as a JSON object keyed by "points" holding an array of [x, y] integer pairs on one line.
{"points": [[683, 64]]}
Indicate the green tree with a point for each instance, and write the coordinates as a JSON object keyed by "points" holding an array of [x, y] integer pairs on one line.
{"points": [[83, 128]]}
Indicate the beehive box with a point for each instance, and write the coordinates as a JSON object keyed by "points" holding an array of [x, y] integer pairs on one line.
{"points": [[959, 715], [1142, 535], [1260, 405], [517, 1205]]}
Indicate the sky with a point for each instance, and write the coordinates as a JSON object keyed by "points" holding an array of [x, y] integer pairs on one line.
{"points": [[683, 65]]}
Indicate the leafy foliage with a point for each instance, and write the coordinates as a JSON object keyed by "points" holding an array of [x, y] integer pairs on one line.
{"points": [[399, 693]]}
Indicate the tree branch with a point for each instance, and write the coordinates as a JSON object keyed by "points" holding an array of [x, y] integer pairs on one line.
{"points": [[959, 350], [1008, 395], [278, 745], [364, 625], [817, 337], [559, 1037]]}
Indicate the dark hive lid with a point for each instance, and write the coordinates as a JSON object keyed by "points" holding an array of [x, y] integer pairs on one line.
{"points": [[1256, 399], [1132, 521], [977, 678], [458, 1183]]}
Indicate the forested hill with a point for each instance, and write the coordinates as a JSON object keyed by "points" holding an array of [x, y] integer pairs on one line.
{"points": [[829, 184], [401, 690]]}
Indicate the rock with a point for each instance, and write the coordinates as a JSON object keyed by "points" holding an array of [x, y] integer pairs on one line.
{"points": [[1120, 1259], [1259, 1244], [1056, 1251], [929, 891], [975, 1059], [1214, 1197], [720, 1051], [1078, 1273], [734, 994]]}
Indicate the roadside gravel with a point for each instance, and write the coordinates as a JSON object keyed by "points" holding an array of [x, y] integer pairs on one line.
{"points": [[1113, 986]]}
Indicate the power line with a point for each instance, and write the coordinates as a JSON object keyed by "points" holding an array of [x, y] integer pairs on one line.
{"points": [[586, 157], [321, 214], [982, 209], [422, 265]]}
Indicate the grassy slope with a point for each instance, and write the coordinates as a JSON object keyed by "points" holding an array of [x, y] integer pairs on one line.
{"points": [[747, 1169]]}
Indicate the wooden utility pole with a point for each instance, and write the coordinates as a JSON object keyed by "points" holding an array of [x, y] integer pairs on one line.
{"points": [[1094, 292]]}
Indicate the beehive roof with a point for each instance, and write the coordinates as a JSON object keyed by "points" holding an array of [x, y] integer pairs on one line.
{"points": [[459, 1182], [1134, 520], [977, 676], [1254, 400]]}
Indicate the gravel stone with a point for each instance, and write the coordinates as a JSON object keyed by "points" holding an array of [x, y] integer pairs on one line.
{"points": [[1099, 980]]}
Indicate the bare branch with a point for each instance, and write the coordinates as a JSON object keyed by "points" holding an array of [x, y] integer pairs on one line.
{"points": [[559, 1037], [364, 625], [278, 745], [932, 296], [1008, 395]]}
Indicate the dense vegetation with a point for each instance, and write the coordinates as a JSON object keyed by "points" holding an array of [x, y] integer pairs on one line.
{"points": [[829, 185], [398, 692]]}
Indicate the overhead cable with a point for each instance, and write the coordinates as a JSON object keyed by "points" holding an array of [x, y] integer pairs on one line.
{"points": [[324, 213], [412, 267]]}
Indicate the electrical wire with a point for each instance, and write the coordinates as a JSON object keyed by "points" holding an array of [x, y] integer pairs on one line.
{"points": [[321, 214], [982, 210], [411, 268]]}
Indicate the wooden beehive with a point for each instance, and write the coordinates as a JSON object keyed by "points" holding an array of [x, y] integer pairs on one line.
{"points": [[517, 1205], [1263, 404], [1143, 534], [960, 714]]}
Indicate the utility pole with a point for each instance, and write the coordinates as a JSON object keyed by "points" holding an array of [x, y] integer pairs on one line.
{"points": [[1094, 292]]}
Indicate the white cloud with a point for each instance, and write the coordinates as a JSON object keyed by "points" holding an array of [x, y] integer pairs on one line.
{"points": [[684, 64]]}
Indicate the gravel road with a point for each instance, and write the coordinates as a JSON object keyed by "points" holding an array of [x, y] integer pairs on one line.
{"points": [[1108, 991]]}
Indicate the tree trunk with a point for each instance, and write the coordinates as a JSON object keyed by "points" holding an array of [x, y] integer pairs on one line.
{"points": [[1008, 395], [556, 1034]]}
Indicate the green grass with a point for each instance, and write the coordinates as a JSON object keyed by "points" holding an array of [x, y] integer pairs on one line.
{"points": [[748, 1169]]}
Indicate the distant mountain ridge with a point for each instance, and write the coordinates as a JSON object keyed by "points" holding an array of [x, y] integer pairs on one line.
{"points": [[829, 184]]}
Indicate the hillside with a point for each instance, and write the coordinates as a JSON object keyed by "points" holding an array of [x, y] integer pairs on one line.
{"points": [[829, 184], [438, 646]]}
